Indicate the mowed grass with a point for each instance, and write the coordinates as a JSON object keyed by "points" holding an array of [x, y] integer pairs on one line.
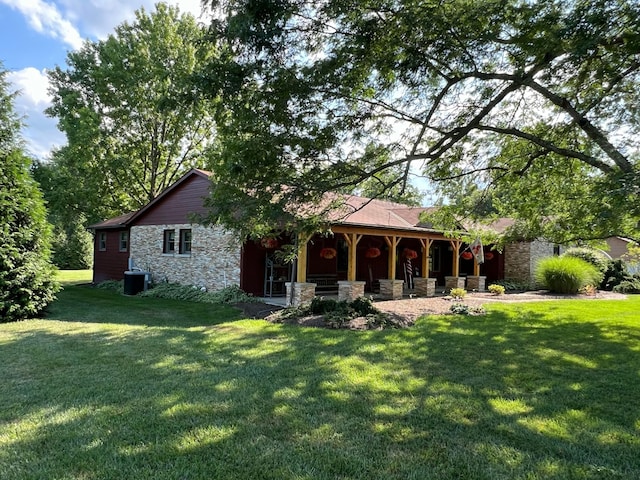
{"points": [[112, 387], [74, 277]]}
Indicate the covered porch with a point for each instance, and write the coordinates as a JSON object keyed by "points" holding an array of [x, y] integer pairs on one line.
{"points": [[360, 260]]}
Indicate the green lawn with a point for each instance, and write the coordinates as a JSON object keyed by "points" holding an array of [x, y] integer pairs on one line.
{"points": [[112, 387], [74, 277]]}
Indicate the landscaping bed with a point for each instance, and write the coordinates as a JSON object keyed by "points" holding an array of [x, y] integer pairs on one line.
{"points": [[404, 313]]}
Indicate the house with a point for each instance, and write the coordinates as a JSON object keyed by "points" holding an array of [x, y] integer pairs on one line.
{"points": [[376, 246], [619, 247]]}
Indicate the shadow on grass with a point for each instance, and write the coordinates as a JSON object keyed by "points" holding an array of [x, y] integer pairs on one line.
{"points": [[500, 396]]}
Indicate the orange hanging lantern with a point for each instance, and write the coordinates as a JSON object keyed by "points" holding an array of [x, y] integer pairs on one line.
{"points": [[372, 252], [488, 255], [467, 255], [328, 253], [409, 253], [269, 243]]}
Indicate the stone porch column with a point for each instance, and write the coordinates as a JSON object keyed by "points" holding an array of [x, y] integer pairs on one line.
{"points": [[425, 286], [303, 293], [476, 282], [349, 291], [391, 288], [453, 282]]}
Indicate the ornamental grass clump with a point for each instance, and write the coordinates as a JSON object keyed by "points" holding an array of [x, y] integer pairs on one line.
{"points": [[566, 274], [594, 257]]}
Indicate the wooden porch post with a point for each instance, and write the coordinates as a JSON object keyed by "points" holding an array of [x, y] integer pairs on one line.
{"points": [[476, 267], [426, 248], [352, 240], [301, 273], [456, 244], [392, 243]]}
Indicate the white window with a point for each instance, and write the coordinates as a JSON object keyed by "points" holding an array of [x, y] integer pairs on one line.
{"points": [[185, 241], [169, 244], [124, 241], [102, 241]]}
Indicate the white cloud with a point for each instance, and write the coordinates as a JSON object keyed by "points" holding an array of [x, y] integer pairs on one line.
{"points": [[33, 85], [63, 20], [40, 131], [98, 18], [45, 18]]}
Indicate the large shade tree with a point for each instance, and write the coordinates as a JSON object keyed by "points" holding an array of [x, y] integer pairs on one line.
{"points": [[133, 121], [27, 283], [531, 106]]}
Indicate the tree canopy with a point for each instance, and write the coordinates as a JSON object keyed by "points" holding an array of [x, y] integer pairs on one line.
{"points": [[27, 283], [133, 121], [529, 106]]}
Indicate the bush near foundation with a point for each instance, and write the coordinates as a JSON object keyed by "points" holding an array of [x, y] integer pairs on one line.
{"points": [[589, 255], [566, 274]]}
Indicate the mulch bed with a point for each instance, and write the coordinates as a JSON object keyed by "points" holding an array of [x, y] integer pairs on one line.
{"points": [[403, 313]]}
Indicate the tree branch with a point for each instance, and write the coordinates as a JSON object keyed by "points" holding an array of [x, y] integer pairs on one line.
{"points": [[585, 125], [565, 152]]}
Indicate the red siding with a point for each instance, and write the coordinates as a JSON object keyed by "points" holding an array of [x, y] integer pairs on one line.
{"points": [[252, 265], [252, 268], [111, 263], [178, 206], [493, 269]]}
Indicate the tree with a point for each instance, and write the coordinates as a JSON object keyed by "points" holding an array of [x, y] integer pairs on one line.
{"points": [[27, 282], [513, 98], [72, 244], [383, 185], [133, 121]]}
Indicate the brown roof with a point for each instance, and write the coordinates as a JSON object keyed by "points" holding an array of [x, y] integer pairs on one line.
{"points": [[370, 212], [113, 223], [363, 211], [354, 210]]}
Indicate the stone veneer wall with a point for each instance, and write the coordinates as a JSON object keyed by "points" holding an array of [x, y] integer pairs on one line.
{"points": [[214, 261], [521, 259], [349, 291]]}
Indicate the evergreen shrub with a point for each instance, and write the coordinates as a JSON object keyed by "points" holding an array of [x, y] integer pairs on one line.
{"points": [[27, 276]]}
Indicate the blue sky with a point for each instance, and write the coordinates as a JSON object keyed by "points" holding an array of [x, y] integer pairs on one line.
{"points": [[36, 35]]}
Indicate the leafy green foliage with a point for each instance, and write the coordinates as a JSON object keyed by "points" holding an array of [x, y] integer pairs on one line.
{"points": [[589, 255], [458, 293], [496, 289], [615, 274], [525, 109], [112, 285], [133, 119], [629, 285], [459, 308], [72, 245], [566, 274], [337, 313], [514, 285], [194, 293], [27, 283]]}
